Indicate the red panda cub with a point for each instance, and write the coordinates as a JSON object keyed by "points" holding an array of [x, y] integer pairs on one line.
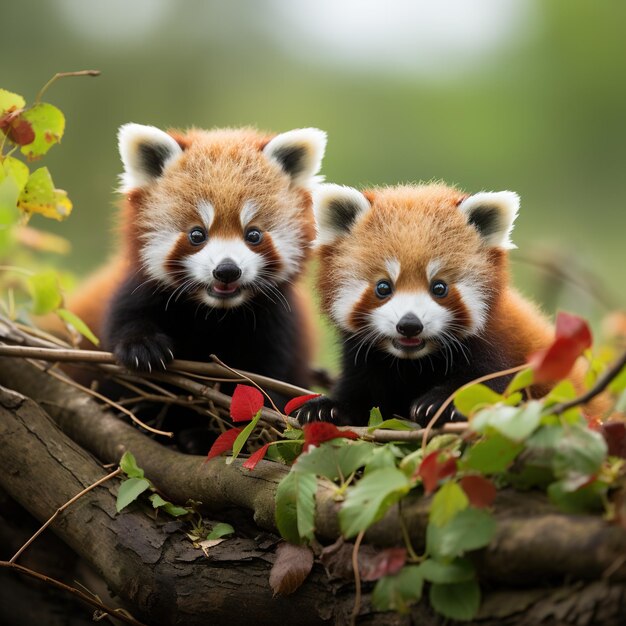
{"points": [[416, 280], [216, 228]]}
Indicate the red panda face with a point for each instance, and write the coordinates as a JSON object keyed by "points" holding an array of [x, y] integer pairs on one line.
{"points": [[412, 270], [219, 216]]}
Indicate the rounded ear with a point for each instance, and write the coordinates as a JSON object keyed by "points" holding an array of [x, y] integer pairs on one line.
{"points": [[145, 152], [492, 214], [337, 209], [299, 153]]}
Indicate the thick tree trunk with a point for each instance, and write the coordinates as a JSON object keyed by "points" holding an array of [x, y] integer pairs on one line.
{"points": [[165, 580]]}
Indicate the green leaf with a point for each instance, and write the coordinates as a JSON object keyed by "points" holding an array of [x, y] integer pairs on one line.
{"points": [[128, 465], [376, 418], [40, 196], [10, 100], [478, 396], [48, 123], [221, 530], [562, 392], [515, 423], [17, 171], [382, 457], [335, 459], [395, 424], [521, 380], [459, 571], [491, 455], [295, 506], [585, 499], [580, 452], [469, 529], [45, 292], [285, 451], [129, 491], [447, 502], [395, 593], [459, 601], [370, 499], [171, 509], [242, 437], [75, 322]]}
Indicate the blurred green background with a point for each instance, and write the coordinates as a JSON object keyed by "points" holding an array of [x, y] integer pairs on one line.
{"points": [[525, 95]]}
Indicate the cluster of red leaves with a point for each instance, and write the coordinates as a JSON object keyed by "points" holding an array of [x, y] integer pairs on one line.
{"points": [[247, 402], [16, 128], [437, 465], [572, 338]]}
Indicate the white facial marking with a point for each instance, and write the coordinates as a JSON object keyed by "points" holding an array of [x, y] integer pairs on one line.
{"points": [[290, 247], [156, 250], [248, 211], [206, 212], [200, 265], [393, 269], [343, 306], [433, 268], [433, 316], [476, 303]]}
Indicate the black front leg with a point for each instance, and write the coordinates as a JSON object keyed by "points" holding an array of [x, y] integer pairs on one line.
{"points": [[424, 407], [134, 329]]}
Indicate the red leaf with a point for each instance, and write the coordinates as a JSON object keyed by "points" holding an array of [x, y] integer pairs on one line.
{"points": [[21, 132], [554, 363], [432, 470], [224, 442], [247, 402], [615, 435], [480, 490], [296, 403], [252, 462], [383, 563], [293, 564], [319, 432]]}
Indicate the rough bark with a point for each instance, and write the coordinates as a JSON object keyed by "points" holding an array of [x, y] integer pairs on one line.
{"points": [[167, 581]]}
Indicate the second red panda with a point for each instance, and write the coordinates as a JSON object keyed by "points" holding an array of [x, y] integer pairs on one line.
{"points": [[416, 280]]}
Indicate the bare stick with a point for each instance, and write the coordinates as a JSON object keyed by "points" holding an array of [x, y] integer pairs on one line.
{"points": [[95, 394], [450, 398], [61, 509], [600, 385], [357, 578], [117, 613], [64, 75]]}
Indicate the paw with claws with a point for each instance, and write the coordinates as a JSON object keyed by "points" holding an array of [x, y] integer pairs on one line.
{"points": [[317, 410], [425, 408], [150, 353]]}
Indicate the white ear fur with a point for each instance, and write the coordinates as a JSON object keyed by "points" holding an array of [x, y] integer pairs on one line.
{"points": [[492, 213], [337, 209], [299, 153], [145, 152]]}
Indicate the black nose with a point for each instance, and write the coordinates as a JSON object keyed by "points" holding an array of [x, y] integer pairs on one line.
{"points": [[227, 271], [409, 325]]}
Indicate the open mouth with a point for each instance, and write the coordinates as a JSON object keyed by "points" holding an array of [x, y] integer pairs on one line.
{"points": [[409, 343], [224, 290]]}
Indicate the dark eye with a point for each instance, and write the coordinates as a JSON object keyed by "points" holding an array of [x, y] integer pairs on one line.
{"points": [[197, 236], [439, 289], [254, 236], [383, 289]]}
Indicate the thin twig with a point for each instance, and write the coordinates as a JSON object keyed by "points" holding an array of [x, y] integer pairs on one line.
{"points": [[103, 398], [450, 398], [61, 509], [357, 578], [236, 373], [117, 613], [600, 385], [64, 75]]}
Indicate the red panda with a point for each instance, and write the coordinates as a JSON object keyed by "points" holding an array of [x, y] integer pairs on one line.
{"points": [[216, 228], [416, 280]]}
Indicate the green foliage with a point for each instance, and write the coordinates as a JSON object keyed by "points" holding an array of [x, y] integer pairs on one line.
{"points": [[397, 592], [30, 130], [221, 530]]}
